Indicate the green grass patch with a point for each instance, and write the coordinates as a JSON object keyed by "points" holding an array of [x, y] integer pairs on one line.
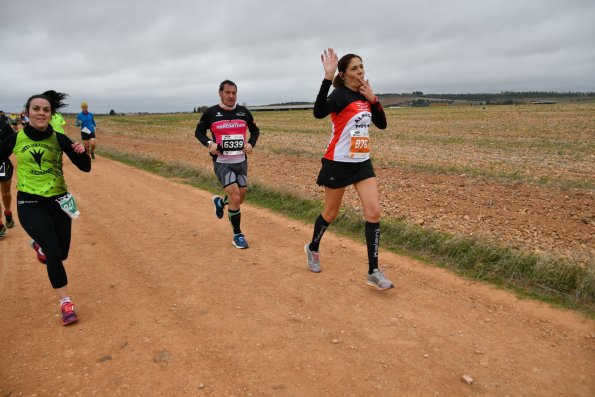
{"points": [[548, 279], [501, 176], [296, 152], [504, 143], [270, 129], [150, 119]]}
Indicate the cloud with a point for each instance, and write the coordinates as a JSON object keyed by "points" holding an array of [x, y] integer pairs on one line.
{"points": [[152, 56]]}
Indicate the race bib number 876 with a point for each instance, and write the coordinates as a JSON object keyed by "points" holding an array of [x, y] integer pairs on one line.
{"points": [[360, 144]]}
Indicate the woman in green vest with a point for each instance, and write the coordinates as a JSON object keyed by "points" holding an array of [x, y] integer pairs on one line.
{"points": [[57, 121], [44, 206]]}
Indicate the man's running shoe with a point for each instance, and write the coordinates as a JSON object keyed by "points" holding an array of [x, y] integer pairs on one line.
{"points": [[9, 220], [378, 280], [40, 255], [312, 258], [68, 313], [219, 206], [239, 241], [2, 230], [93, 155]]}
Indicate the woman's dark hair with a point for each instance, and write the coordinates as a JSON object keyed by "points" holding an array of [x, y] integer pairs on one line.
{"points": [[56, 100], [227, 82], [342, 67]]}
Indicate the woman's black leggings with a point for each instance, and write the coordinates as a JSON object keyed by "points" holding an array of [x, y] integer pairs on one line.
{"points": [[46, 223]]}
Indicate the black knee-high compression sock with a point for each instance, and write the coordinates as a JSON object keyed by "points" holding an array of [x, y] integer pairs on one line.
{"points": [[320, 227], [373, 242], [235, 217]]}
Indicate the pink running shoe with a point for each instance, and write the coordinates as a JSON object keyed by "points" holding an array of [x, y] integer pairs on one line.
{"points": [[68, 313], [40, 255]]}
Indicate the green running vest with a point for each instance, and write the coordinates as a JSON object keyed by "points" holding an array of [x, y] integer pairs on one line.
{"points": [[39, 168]]}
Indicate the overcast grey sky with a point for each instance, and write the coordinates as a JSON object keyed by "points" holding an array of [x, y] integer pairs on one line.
{"points": [[171, 56]]}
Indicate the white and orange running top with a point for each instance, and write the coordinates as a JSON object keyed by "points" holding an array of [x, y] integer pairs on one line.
{"points": [[351, 115]]}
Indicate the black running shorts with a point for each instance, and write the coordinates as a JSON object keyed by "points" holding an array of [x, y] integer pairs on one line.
{"points": [[337, 174], [228, 174], [86, 137]]}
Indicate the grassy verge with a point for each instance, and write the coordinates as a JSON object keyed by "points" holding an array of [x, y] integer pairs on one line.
{"points": [[501, 176], [548, 279]]}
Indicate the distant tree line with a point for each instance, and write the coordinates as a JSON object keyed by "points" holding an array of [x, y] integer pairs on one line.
{"points": [[290, 103], [419, 102], [502, 98], [507, 96], [510, 96]]}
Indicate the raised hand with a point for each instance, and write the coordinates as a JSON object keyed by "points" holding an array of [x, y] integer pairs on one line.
{"points": [[330, 60]]}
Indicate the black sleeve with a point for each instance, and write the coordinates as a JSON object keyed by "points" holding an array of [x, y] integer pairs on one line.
{"points": [[253, 128], [5, 129], [201, 129], [378, 116], [6, 147], [82, 161], [323, 106]]}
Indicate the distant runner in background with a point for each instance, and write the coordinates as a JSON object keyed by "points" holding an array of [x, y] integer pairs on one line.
{"points": [[44, 205], [88, 126], [57, 122], [14, 122], [229, 124], [6, 170], [353, 107], [24, 119]]}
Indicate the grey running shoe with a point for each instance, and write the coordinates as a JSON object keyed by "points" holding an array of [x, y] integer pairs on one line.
{"points": [[2, 230], [378, 280], [239, 241], [312, 258], [218, 206], [93, 155], [9, 221]]}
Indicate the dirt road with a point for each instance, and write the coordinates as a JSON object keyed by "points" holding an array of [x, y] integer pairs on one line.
{"points": [[168, 306]]}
